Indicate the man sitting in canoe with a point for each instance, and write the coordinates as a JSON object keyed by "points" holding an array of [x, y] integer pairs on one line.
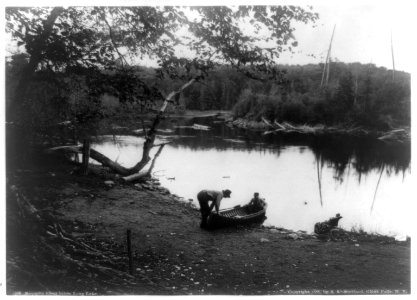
{"points": [[204, 197], [256, 204]]}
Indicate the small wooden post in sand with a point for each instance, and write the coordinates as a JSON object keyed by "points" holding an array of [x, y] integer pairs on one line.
{"points": [[129, 251]]}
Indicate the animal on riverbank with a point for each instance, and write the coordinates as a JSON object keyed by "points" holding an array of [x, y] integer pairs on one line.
{"points": [[325, 227]]}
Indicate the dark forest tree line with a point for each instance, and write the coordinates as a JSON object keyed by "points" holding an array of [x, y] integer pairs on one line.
{"points": [[360, 94]]}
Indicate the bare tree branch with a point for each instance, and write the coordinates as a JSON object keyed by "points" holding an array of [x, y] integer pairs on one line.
{"points": [[116, 47]]}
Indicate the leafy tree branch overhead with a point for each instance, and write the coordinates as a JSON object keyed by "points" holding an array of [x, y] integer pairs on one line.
{"points": [[99, 41], [98, 36]]}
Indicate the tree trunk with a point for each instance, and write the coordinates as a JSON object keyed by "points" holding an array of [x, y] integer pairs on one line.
{"points": [[147, 147], [35, 59], [105, 161], [86, 156], [147, 174], [151, 135], [149, 140]]}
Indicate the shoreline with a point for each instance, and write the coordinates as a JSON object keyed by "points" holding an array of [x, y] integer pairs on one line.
{"points": [[173, 256], [399, 135], [155, 186]]}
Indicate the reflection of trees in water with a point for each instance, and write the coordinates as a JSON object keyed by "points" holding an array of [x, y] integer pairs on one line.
{"points": [[376, 188], [363, 155], [341, 153], [319, 164]]}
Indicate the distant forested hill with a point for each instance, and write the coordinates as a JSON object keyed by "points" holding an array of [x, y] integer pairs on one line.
{"points": [[356, 94], [359, 94]]}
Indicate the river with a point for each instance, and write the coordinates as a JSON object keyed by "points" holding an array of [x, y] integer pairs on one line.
{"points": [[304, 179]]}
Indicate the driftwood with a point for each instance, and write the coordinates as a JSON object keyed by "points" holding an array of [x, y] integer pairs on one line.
{"points": [[278, 125], [267, 122], [396, 135], [287, 127], [200, 127], [136, 177]]}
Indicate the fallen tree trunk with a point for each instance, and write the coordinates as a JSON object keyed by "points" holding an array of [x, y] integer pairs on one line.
{"points": [[142, 175], [105, 161], [149, 140], [150, 136]]}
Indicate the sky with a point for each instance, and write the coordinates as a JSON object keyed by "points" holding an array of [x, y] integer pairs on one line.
{"points": [[362, 34]]}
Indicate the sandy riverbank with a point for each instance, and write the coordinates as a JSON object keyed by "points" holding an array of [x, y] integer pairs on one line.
{"points": [[172, 255]]}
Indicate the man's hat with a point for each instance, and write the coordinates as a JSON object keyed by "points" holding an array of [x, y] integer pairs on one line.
{"points": [[227, 193], [338, 216]]}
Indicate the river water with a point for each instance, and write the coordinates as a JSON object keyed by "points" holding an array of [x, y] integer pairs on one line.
{"points": [[304, 179]]}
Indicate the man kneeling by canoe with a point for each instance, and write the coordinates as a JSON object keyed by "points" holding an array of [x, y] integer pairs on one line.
{"points": [[204, 197]]}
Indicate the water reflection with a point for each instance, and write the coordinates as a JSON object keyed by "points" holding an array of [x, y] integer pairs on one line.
{"points": [[338, 152], [304, 179]]}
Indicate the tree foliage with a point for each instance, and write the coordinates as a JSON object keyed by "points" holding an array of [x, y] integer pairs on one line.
{"points": [[360, 94], [93, 50], [102, 36], [356, 94], [102, 44]]}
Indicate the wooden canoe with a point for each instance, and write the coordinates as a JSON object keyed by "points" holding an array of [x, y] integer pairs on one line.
{"points": [[238, 215]]}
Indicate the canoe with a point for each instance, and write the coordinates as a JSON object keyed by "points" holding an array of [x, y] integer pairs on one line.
{"points": [[238, 215]]}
